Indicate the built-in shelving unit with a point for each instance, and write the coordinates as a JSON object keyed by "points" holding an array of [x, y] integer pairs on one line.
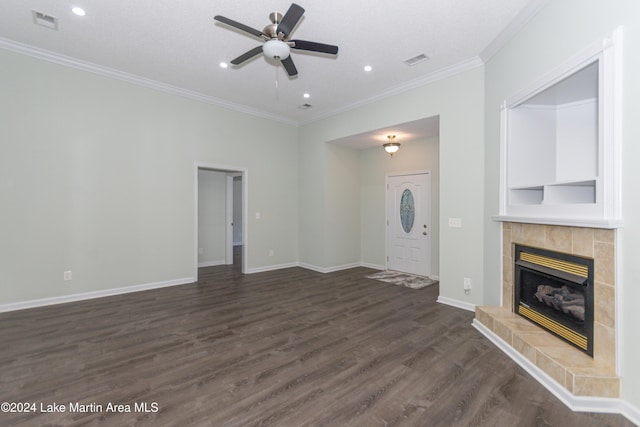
{"points": [[560, 144]]}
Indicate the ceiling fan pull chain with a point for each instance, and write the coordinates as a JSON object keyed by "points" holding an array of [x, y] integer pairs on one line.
{"points": [[277, 97]]}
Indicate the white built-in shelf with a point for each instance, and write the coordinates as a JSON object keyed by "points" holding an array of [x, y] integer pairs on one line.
{"points": [[560, 143], [557, 193]]}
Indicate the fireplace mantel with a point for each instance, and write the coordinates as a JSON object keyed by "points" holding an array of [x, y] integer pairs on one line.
{"points": [[568, 221]]}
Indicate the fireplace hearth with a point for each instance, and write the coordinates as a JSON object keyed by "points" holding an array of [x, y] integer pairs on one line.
{"points": [[555, 291], [579, 373]]}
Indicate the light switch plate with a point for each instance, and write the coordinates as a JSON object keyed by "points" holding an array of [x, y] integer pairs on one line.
{"points": [[455, 222]]}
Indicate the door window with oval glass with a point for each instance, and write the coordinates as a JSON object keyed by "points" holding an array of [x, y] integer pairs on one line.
{"points": [[407, 210]]}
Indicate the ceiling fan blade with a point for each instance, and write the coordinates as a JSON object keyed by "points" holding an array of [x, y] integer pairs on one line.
{"points": [[247, 55], [315, 47], [290, 19], [239, 26], [288, 65]]}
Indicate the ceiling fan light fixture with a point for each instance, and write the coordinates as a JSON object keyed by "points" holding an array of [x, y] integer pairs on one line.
{"points": [[391, 146], [277, 43], [276, 49]]}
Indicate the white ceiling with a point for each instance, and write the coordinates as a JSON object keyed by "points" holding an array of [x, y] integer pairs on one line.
{"points": [[177, 46]]}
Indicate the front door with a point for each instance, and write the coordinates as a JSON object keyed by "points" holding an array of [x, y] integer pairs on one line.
{"points": [[408, 223]]}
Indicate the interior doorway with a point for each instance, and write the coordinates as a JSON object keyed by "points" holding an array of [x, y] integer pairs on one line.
{"points": [[408, 211], [220, 231], [234, 209]]}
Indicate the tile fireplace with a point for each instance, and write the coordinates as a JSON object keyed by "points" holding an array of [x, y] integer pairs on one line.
{"points": [[582, 373]]}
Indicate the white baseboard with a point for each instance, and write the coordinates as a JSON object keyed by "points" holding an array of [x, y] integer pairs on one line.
{"points": [[630, 412], [22, 305], [329, 269], [271, 267], [341, 267], [211, 263], [457, 303], [573, 402], [374, 266], [311, 267]]}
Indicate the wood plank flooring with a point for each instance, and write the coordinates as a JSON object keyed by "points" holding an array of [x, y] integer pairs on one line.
{"points": [[286, 348]]}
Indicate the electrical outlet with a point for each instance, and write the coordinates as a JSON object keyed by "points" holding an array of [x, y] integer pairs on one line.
{"points": [[258, 216], [467, 285], [200, 251], [67, 275], [270, 252]]}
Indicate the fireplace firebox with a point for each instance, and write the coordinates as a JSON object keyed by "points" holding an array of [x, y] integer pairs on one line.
{"points": [[555, 291]]}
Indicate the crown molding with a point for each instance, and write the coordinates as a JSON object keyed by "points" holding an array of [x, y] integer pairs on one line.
{"points": [[86, 66], [440, 74], [67, 61], [514, 27]]}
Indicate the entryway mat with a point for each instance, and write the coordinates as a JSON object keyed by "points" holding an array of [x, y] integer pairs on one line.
{"points": [[402, 279]]}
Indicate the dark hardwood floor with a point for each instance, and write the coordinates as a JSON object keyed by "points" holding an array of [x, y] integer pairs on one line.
{"points": [[284, 348]]}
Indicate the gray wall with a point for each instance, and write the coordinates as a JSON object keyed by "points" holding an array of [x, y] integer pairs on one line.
{"points": [[97, 177], [459, 102]]}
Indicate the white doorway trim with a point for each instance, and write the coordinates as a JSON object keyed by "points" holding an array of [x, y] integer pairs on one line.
{"points": [[232, 171], [429, 244], [228, 253]]}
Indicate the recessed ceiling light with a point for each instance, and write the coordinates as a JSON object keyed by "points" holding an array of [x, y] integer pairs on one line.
{"points": [[367, 68], [78, 11], [224, 65], [306, 95]]}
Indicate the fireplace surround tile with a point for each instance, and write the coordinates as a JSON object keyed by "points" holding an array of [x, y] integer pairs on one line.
{"points": [[507, 284], [604, 339], [558, 238], [596, 386], [521, 344], [577, 372], [569, 359], [582, 241], [554, 369], [485, 318], [604, 269], [605, 298], [529, 234], [503, 331], [602, 235]]}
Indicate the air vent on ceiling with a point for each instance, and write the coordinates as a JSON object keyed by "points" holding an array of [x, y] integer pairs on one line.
{"points": [[45, 20], [304, 106], [416, 59]]}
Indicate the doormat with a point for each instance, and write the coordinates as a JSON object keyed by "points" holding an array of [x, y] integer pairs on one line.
{"points": [[402, 279]]}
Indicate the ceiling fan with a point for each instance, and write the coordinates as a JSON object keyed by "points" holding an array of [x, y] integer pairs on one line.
{"points": [[277, 43]]}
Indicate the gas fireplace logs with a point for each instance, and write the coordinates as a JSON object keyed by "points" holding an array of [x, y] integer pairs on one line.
{"points": [[562, 299]]}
